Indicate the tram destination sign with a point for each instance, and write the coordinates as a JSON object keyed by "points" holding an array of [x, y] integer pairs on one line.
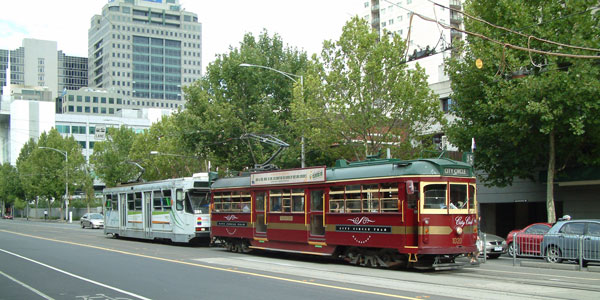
{"points": [[456, 172], [308, 175]]}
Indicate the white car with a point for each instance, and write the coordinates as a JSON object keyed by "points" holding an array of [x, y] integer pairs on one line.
{"points": [[93, 220]]}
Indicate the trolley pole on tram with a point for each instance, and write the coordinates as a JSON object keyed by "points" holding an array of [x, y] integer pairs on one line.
{"points": [[290, 76]]}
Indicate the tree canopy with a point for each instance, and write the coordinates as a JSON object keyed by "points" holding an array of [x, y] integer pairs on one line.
{"points": [[233, 100], [528, 112], [361, 95]]}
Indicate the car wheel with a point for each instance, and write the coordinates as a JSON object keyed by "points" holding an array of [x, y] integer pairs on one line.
{"points": [[553, 254], [82, 225], [512, 248], [493, 256]]}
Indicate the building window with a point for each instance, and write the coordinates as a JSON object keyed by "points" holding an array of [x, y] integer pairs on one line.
{"points": [[87, 109], [87, 99], [103, 100], [82, 144], [79, 109], [79, 98], [95, 99], [71, 108], [446, 104], [63, 128]]}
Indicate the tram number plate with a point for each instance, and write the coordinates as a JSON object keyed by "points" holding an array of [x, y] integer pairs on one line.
{"points": [[456, 241]]}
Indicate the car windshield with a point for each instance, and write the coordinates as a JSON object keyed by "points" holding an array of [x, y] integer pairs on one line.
{"points": [[96, 216]]}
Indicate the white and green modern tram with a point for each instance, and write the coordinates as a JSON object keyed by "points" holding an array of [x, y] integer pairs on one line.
{"points": [[173, 209]]}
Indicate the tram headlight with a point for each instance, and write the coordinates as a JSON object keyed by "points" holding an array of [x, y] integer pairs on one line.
{"points": [[459, 230]]}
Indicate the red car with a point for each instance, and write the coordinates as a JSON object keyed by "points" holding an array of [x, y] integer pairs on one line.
{"points": [[528, 239], [9, 217]]}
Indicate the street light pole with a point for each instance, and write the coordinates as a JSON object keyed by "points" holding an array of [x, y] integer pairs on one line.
{"points": [[66, 154], [291, 77]]}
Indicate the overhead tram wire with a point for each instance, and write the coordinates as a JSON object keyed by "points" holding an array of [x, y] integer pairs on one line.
{"points": [[522, 34], [506, 45]]}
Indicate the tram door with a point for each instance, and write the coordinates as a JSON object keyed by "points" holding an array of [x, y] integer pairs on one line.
{"points": [[148, 214], [410, 192], [316, 230], [259, 219], [123, 210]]}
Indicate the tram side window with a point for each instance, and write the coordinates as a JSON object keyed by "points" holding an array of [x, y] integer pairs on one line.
{"points": [[435, 196], [298, 200], [167, 200], [245, 201], [157, 201], [275, 200], [458, 196], [108, 202], [370, 198], [222, 201], [179, 198], [471, 197], [336, 199], [389, 197], [130, 202], [260, 201], [235, 204], [115, 202], [138, 201], [353, 198]]}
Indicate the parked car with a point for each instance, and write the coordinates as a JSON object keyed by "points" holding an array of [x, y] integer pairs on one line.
{"points": [[564, 240], [528, 239], [9, 217], [92, 220], [494, 246]]}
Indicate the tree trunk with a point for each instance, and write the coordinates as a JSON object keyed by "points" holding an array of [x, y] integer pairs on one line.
{"points": [[550, 181]]}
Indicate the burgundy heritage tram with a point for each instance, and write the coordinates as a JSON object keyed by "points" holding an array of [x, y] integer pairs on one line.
{"points": [[418, 213]]}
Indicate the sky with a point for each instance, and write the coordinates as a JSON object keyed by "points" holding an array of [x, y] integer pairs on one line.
{"points": [[302, 24]]}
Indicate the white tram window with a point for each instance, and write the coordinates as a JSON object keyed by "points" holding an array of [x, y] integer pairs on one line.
{"points": [[130, 202], [179, 198], [108, 202], [138, 201], [114, 202], [435, 196], [157, 201], [297, 200], [167, 203], [458, 196]]}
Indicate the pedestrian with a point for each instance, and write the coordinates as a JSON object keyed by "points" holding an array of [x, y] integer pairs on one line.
{"points": [[45, 215]]}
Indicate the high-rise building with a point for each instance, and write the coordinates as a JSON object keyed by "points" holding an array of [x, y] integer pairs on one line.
{"points": [[39, 63], [145, 50]]}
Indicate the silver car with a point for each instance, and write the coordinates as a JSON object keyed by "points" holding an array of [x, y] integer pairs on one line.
{"points": [[494, 245], [92, 220]]}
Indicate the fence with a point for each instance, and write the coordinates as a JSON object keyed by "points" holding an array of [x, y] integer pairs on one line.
{"points": [[555, 248], [38, 213]]}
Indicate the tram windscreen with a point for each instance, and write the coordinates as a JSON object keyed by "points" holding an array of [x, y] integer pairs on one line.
{"points": [[198, 200]]}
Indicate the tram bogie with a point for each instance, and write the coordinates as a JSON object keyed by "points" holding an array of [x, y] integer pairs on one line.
{"points": [[384, 213]]}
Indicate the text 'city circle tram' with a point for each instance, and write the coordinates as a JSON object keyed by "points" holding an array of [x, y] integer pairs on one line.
{"points": [[379, 213]]}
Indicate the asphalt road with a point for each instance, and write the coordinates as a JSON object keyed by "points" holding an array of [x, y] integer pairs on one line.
{"points": [[41, 260]]}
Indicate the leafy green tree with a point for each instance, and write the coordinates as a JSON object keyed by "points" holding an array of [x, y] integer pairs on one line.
{"points": [[159, 151], [110, 160], [27, 173], [10, 186], [361, 95], [528, 112], [232, 100]]}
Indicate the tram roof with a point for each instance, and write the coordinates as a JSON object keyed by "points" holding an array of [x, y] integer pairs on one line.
{"points": [[375, 169], [184, 182]]}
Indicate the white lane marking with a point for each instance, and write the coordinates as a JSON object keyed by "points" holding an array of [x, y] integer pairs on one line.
{"points": [[27, 286], [77, 276]]}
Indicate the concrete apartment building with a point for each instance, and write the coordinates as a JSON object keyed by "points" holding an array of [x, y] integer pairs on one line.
{"points": [[145, 50]]}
